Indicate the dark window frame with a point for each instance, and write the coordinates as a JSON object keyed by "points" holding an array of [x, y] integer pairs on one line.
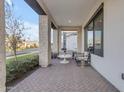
{"points": [[99, 11]]}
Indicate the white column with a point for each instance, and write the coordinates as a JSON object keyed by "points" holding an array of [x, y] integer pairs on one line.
{"points": [[83, 45], [55, 41], [2, 48], [59, 34], [79, 41], [44, 41]]}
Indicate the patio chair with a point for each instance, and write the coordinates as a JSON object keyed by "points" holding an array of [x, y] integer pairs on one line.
{"points": [[82, 58]]}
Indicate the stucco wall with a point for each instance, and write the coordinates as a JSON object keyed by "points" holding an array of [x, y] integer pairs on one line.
{"points": [[71, 42], [111, 66]]}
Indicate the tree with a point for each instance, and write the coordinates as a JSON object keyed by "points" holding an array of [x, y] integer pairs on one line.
{"points": [[14, 29]]}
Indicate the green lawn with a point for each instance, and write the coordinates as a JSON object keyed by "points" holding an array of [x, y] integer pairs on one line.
{"points": [[20, 57]]}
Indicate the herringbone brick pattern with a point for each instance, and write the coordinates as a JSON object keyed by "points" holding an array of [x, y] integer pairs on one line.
{"points": [[64, 78]]}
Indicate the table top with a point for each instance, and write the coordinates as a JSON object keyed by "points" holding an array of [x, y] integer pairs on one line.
{"points": [[65, 56]]}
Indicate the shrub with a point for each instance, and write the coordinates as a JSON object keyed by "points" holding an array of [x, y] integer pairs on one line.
{"points": [[24, 64]]}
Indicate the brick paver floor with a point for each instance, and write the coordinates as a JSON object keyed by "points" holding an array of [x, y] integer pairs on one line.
{"points": [[64, 78]]}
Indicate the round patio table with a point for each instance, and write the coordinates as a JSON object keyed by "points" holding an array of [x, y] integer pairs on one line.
{"points": [[65, 57]]}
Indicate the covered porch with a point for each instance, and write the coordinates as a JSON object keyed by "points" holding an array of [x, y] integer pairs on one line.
{"points": [[64, 78], [74, 15]]}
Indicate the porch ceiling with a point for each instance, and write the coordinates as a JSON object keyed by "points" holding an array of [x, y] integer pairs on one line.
{"points": [[69, 12]]}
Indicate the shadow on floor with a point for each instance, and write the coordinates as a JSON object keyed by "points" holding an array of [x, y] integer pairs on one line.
{"points": [[12, 84]]}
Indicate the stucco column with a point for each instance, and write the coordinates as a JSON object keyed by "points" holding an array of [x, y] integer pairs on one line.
{"points": [[55, 41], [2, 48], [79, 41], [59, 34], [44, 41]]}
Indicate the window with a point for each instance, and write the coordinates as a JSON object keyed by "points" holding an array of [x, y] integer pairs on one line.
{"points": [[98, 35], [94, 34], [89, 36]]}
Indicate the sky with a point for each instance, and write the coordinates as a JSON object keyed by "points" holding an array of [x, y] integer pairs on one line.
{"points": [[29, 17]]}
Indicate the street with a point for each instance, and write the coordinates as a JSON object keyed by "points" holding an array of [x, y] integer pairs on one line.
{"points": [[26, 51]]}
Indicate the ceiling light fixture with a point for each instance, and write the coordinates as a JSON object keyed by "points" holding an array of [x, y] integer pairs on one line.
{"points": [[69, 21]]}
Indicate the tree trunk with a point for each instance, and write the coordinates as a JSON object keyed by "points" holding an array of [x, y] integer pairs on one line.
{"points": [[14, 50]]}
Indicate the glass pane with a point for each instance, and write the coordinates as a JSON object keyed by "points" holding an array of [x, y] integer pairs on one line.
{"points": [[98, 28], [90, 37]]}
